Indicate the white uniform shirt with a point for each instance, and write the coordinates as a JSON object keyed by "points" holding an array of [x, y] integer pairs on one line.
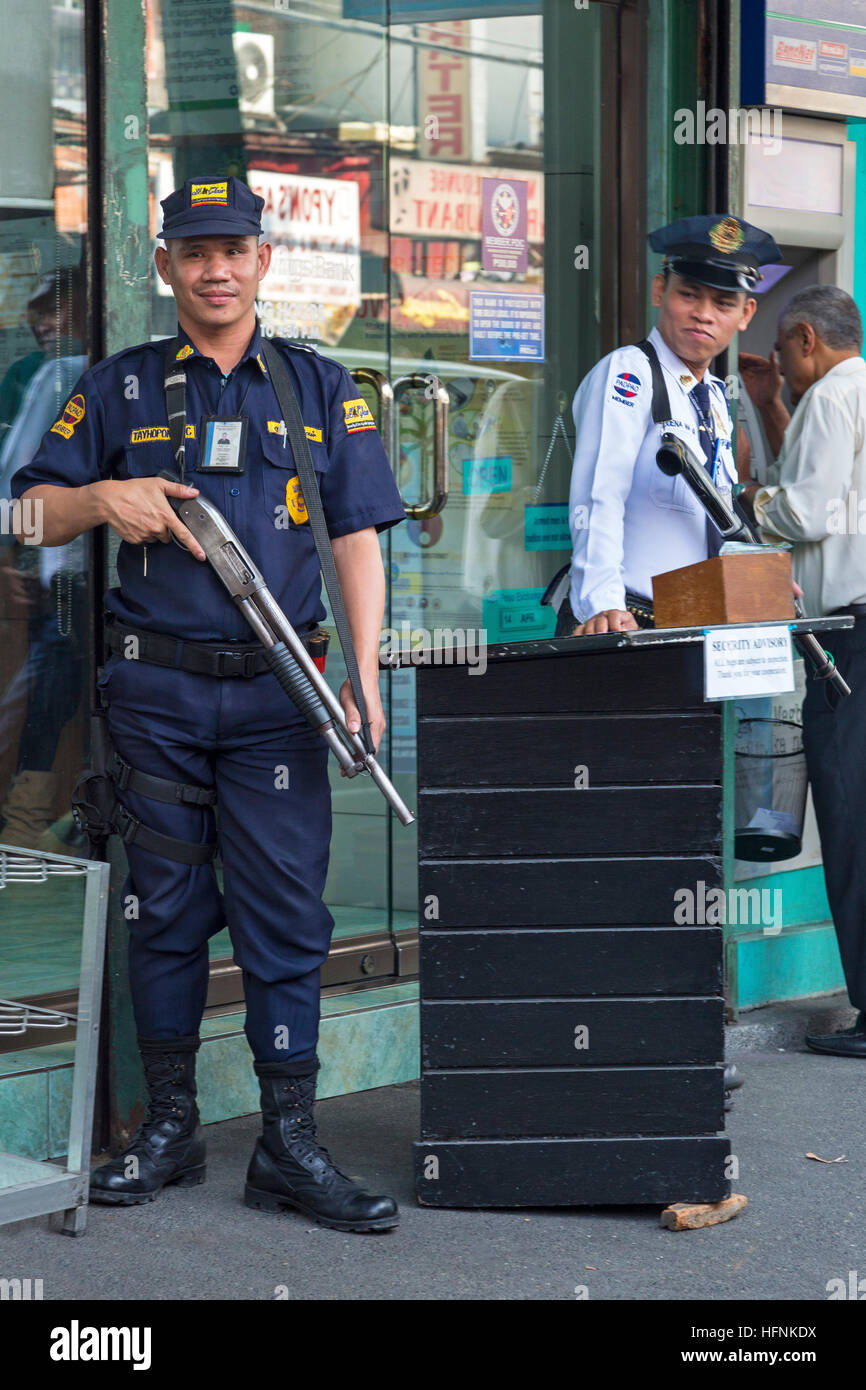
{"points": [[628, 520], [820, 500]]}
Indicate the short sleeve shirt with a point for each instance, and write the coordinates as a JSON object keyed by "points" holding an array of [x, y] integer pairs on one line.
{"points": [[115, 425]]}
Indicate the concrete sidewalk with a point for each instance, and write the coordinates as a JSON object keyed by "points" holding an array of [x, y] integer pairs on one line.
{"points": [[803, 1227]]}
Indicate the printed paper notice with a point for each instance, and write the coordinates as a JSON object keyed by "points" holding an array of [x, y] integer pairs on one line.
{"points": [[747, 661]]}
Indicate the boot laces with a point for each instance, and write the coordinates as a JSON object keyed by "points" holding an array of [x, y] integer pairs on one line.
{"points": [[304, 1132]]}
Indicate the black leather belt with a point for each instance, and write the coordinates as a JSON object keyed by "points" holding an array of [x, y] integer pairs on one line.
{"points": [[640, 608], [201, 658]]}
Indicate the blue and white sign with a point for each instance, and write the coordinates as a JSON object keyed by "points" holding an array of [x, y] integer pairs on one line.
{"points": [[815, 46], [506, 327]]}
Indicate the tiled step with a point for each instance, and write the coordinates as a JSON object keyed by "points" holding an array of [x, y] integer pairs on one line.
{"points": [[367, 1038]]}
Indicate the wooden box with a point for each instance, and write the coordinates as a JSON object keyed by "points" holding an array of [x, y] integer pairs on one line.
{"points": [[727, 589]]}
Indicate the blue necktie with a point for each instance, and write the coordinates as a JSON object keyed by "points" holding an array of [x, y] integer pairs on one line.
{"points": [[700, 396]]}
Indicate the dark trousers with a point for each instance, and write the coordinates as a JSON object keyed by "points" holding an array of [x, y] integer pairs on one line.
{"points": [[834, 737], [269, 768]]}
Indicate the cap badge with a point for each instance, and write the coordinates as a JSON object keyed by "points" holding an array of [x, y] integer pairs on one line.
{"points": [[202, 193], [727, 235]]}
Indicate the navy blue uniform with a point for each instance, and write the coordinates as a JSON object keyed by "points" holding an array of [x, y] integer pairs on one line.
{"points": [[241, 736]]}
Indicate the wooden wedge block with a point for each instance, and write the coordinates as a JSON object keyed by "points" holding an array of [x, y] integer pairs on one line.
{"points": [[684, 1216]]}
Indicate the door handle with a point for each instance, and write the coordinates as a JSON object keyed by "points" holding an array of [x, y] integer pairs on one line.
{"points": [[418, 381], [368, 376]]}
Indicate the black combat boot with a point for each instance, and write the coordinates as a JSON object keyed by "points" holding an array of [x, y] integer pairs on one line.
{"points": [[288, 1167], [169, 1147]]}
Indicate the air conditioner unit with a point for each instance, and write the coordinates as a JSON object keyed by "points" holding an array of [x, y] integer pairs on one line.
{"points": [[254, 55]]}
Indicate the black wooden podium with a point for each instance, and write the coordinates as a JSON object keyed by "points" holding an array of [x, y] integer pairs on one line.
{"points": [[571, 1034]]}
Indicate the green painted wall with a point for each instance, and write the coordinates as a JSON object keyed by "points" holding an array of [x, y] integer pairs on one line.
{"points": [[857, 133]]}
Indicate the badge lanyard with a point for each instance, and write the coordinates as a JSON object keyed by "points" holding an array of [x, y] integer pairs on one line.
{"points": [[175, 401]]}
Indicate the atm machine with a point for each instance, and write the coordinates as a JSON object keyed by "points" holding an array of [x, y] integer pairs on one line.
{"points": [[799, 187]]}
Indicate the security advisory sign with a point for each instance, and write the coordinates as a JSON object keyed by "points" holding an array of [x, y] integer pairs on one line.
{"points": [[740, 662]]}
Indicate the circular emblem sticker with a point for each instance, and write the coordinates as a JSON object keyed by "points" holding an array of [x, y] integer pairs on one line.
{"points": [[727, 235], [504, 209], [627, 385]]}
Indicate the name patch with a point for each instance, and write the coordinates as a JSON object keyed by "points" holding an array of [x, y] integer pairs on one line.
{"points": [[277, 427], [153, 434]]}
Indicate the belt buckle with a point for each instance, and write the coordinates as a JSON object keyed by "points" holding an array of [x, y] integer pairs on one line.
{"points": [[126, 825], [245, 663]]}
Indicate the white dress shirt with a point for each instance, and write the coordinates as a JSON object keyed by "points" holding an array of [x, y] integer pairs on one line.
{"points": [[628, 520], [819, 502]]}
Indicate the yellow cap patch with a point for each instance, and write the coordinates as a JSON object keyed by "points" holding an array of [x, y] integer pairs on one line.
{"points": [[357, 415], [73, 412], [185, 351], [201, 193], [295, 502]]}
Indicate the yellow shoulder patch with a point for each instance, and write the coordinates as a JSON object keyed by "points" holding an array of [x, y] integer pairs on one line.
{"points": [[73, 411], [185, 351], [357, 415], [295, 502]]}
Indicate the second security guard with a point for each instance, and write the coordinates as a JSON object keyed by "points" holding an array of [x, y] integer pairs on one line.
{"points": [[195, 716], [628, 520]]}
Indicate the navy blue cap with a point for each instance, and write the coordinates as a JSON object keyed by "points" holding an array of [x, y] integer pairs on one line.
{"points": [[716, 250], [208, 207]]}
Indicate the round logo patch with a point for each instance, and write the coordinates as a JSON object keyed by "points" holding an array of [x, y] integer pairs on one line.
{"points": [[504, 209], [627, 385], [295, 502], [727, 235]]}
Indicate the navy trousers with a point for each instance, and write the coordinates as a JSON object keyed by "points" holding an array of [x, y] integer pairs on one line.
{"points": [[834, 738], [273, 815]]}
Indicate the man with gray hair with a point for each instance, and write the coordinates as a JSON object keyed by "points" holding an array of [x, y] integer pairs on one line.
{"points": [[816, 504]]}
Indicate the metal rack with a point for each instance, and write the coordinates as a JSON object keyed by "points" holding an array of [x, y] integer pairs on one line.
{"points": [[30, 1188]]}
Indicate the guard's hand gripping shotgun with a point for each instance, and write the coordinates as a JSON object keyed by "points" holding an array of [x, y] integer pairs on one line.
{"points": [[675, 457], [285, 653]]}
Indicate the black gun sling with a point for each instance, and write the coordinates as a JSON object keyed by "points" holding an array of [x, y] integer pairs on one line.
{"points": [[291, 412], [640, 608]]}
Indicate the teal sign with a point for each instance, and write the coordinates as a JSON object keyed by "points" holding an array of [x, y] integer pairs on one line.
{"points": [[511, 615], [545, 527], [486, 475]]}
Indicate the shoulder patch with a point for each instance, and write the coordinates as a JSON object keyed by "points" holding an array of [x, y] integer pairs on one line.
{"points": [[626, 387], [357, 416], [185, 351], [73, 411]]}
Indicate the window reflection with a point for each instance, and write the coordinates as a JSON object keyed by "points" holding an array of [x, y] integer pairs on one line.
{"points": [[43, 592]]}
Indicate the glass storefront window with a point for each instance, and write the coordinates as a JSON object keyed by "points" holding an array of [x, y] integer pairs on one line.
{"points": [[44, 611], [435, 195]]}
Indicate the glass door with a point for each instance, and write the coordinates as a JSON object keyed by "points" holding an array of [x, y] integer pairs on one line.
{"points": [[441, 189]]}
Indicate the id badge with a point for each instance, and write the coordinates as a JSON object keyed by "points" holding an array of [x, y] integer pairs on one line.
{"points": [[223, 444]]}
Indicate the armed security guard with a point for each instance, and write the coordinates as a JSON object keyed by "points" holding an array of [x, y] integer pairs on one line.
{"points": [[196, 719], [629, 521]]}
